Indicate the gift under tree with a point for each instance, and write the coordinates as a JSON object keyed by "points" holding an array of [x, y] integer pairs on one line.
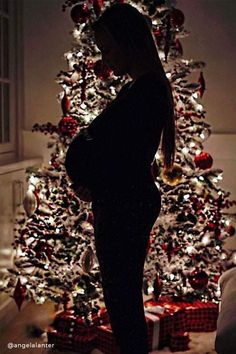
{"points": [[54, 247]]}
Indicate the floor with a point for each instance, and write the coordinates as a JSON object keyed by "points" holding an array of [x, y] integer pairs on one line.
{"points": [[21, 330]]}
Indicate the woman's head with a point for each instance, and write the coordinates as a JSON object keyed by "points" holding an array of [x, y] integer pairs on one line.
{"points": [[124, 37]]}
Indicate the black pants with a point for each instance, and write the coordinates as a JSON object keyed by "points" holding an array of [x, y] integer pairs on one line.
{"points": [[122, 229]]}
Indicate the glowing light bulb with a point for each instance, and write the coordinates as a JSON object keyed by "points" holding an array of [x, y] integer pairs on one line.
{"points": [[227, 222], [185, 150], [192, 144], [205, 240], [190, 249], [168, 75], [186, 197]]}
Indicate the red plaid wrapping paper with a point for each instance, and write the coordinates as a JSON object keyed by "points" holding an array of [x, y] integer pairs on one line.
{"points": [[179, 341], [201, 316], [157, 327], [172, 319], [197, 316], [105, 340], [63, 341], [67, 322]]}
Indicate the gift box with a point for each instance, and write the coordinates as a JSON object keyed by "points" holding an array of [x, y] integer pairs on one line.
{"points": [[196, 316], [80, 344], [106, 342], [171, 316], [201, 316], [68, 322], [158, 334], [179, 341]]}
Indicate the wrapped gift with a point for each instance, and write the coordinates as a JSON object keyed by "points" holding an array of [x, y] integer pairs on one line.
{"points": [[196, 316], [179, 341], [201, 316], [68, 322], [171, 316], [105, 340], [80, 344], [159, 328], [60, 341]]}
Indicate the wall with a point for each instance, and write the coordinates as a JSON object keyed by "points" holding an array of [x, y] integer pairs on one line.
{"points": [[212, 39], [47, 38]]}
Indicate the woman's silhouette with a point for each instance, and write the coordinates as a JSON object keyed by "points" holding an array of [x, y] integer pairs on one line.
{"points": [[125, 138]]}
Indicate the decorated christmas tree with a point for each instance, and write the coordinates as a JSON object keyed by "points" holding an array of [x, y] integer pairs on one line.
{"points": [[54, 253]]}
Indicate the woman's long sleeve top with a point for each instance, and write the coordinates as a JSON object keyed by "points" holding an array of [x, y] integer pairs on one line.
{"points": [[126, 135]]}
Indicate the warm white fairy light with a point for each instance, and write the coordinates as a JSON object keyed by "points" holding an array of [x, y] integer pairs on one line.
{"points": [[217, 248], [218, 292], [201, 178], [195, 95], [83, 105], [68, 56], [192, 144], [227, 222], [168, 75], [190, 249], [51, 220], [198, 152], [186, 196], [206, 240], [76, 33], [33, 180], [199, 107], [185, 150], [202, 136], [172, 277]]}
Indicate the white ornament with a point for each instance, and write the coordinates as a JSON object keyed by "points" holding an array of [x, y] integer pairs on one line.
{"points": [[30, 203]]}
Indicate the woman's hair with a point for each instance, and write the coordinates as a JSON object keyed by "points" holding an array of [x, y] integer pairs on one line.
{"points": [[132, 32]]}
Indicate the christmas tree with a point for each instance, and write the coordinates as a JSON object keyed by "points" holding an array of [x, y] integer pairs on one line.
{"points": [[54, 253]]}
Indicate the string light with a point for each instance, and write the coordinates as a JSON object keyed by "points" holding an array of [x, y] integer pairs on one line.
{"points": [[206, 240], [185, 150]]}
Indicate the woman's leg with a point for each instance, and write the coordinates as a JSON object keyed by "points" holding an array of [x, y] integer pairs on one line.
{"points": [[122, 233]]}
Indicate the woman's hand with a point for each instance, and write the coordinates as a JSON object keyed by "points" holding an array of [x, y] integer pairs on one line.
{"points": [[84, 194]]}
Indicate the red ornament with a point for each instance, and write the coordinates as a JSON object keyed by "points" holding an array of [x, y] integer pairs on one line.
{"points": [[101, 70], [80, 13], [68, 126], [202, 83], [43, 247], [87, 260], [198, 279], [177, 17], [30, 203], [19, 294], [65, 104], [97, 6], [230, 230], [203, 160], [158, 36]]}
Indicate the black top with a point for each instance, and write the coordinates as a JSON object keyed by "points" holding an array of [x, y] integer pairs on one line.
{"points": [[127, 135]]}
